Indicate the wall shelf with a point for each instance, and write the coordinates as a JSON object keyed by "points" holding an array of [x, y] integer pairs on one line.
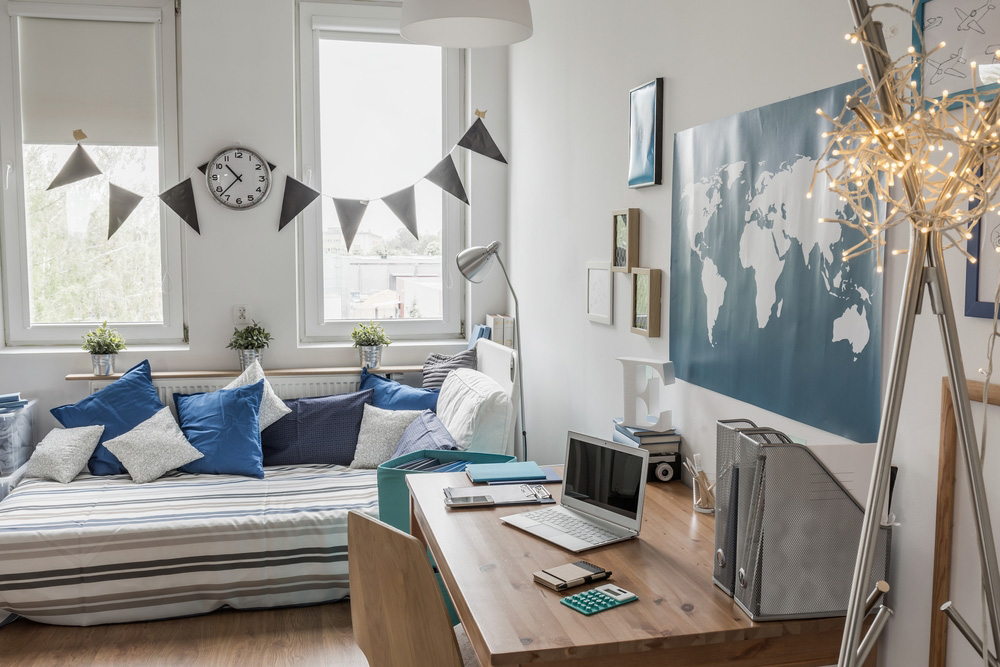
{"points": [[277, 372]]}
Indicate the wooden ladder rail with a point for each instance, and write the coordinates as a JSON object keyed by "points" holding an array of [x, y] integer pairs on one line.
{"points": [[945, 514]]}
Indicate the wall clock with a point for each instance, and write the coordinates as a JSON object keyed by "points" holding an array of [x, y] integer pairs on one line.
{"points": [[238, 178]]}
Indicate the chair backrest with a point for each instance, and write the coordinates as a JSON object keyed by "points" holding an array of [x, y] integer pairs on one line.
{"points": [[397, 611]]}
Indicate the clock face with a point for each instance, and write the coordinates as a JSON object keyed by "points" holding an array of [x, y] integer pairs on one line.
{"points": [[238, 178]]}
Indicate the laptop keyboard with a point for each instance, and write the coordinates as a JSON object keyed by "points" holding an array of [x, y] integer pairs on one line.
{"points": [[584, 530]]}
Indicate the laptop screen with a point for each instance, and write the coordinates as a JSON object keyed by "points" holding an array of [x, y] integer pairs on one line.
{"points": [[605, 478]]}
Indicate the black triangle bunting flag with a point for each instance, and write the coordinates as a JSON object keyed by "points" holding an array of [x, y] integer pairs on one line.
{"points": [[445, 176], [478, 140], [121, 203], [296, 197], [350, 212], [78, 167], [180, 199], [404, 205]]}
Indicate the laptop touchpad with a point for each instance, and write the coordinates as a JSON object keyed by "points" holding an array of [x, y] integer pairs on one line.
{"points": [[546, 531]]}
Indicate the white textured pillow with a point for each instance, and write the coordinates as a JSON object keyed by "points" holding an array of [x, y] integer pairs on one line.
{"points": [[380, 433], [152, 448], [272, 408], [476, 411], [63, 453]]}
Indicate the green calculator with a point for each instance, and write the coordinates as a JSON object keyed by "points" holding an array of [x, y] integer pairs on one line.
{"points": [[598, 599]]}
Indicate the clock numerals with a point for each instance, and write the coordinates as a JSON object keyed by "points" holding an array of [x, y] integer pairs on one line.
{"points": [[226, 182]]}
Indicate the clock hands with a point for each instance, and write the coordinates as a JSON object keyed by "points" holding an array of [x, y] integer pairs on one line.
{"points": [[239, 179]]}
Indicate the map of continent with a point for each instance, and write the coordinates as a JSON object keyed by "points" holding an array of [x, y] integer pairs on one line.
{"points": [[763, 307]]}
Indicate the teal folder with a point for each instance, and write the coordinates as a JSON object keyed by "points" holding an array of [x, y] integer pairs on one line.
{"points": [[495, 472]]}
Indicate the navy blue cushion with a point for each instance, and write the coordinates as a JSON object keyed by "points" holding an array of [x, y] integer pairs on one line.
{"points": [[424, 432], [224, 425], [391, 395], [119, 407], [323, 429]]}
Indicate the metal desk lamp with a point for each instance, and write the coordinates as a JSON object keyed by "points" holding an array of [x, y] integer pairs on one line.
{"points": [[475, 264]]}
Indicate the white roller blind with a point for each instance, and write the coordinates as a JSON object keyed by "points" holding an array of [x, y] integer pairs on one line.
{"points": [[98, 76]]}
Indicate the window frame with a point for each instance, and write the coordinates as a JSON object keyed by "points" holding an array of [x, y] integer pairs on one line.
{"points": [[18, 328], [357, 22]]}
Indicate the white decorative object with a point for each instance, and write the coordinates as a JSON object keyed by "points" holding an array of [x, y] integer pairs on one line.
{"points": [[600, 293], [639, 387]]}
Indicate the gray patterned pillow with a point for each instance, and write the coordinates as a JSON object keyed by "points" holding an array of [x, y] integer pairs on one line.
{"points": [[272, 408], [63, 453], [153, 448], [379, 435], [437, 366]]}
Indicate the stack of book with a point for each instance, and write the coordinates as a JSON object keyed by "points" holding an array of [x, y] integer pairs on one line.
{"points": [[656, 442], [501, 329], [11, 402]]}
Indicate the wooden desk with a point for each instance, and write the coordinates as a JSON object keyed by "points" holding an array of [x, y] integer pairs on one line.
{"points": [[681, 617]]}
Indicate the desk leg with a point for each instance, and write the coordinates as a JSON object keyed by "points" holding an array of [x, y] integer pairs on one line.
{"points": [[415, 525]]}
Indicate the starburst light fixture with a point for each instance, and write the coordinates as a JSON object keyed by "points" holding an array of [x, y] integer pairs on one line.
{"points": [[934, 162]]}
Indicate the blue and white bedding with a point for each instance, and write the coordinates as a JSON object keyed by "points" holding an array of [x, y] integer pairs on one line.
{"points": [[107, 550]]}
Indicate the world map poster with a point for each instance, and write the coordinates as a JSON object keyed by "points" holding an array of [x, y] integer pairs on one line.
{"points": [[762, 306]]}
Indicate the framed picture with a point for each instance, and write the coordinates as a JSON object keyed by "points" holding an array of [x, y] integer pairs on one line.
{"points": [[646, 302], [624, 239], [600, 293], [645, 135], [981, 276], [971, 32]]}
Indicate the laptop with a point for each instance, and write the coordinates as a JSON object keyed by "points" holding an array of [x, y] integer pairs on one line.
{"points": [[604, 484]]}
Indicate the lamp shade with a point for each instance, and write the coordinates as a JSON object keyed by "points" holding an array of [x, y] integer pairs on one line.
{"points": [[476, 262], [466, 23]]}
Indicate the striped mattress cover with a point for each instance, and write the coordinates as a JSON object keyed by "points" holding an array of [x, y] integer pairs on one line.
{"points": [[108, 550]]}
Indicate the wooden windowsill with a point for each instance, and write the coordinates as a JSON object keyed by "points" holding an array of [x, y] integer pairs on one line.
{"points": [[277, 372]]}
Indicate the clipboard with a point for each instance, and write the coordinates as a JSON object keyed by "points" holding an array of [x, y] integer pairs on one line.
{"points": [[511, 494]]}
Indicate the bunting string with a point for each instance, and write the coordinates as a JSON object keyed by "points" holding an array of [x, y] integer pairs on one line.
{"points": [[297, 196]]}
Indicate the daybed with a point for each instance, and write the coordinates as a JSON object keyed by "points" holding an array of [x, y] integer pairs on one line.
{"points": [[105, 549]]}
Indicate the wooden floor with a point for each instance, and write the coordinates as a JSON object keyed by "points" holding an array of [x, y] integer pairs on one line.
{"points": [[319, 635]]}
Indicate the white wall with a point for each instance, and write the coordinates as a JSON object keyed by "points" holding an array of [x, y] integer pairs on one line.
{"points": [[240, 257], [569, 135]]}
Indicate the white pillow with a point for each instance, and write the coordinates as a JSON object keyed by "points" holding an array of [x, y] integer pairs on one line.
{"points": [[476, 411], [380, 433], [63, 453], [272, 408], [153, 448]]}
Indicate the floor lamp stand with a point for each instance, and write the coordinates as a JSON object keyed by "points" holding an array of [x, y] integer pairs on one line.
{"points": [[520, 357], [925, 271]]}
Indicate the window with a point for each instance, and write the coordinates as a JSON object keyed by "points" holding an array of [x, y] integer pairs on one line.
{"points": [[377, 113], [110, 72]]}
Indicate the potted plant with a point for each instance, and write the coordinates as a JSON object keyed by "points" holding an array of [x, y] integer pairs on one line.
{"points": [[249, 342], [370, 339], [103, 344]]}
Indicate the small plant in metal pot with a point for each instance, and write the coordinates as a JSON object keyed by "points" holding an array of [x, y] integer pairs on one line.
{"points": [[370, 339], [104, 344], [249, 343]]}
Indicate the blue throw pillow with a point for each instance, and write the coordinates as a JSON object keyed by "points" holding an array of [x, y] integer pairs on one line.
{"points": [[119, 407], [391, 395], [323, 429], [224, 425], [424, 432]]}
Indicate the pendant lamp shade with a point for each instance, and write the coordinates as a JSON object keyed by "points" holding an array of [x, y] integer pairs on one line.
{"points": [[466, 23]]}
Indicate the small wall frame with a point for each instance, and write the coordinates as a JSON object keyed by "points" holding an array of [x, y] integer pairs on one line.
{"points": [[645, 316], [600, 293], [624, 240]]}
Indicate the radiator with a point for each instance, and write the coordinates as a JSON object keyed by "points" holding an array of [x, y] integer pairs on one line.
{"points": [[285, 386]]}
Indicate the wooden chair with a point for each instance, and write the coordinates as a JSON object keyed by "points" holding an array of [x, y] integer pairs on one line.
{"points": [[397, 611]]}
